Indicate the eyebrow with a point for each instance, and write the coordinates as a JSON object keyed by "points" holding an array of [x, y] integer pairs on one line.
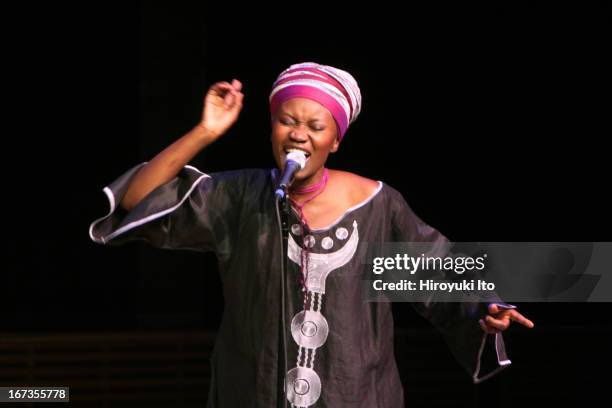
{"points": [[318, 119]]}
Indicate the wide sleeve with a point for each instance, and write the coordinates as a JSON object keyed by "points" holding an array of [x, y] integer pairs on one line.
{"points": [[479, 353], [193, 211]]}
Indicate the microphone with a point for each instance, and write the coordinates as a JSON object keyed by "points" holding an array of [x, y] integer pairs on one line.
{"points": [[294, 161]]}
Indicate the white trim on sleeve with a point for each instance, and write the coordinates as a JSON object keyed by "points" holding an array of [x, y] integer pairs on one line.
{"points": [[502, 358], [112, 202]]}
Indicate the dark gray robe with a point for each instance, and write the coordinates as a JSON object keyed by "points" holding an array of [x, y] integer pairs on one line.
{"points": [[346, 343]]}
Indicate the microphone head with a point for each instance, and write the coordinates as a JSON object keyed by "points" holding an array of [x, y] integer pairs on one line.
{"points": [[298, 157]]}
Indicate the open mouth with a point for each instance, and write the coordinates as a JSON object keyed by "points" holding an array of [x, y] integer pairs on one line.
{"points": [[297, 150]]}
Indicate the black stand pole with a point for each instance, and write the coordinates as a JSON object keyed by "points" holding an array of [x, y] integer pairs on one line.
{"points": [[282, 346]]}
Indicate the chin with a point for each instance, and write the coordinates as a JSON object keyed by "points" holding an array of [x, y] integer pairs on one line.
{"points": [[300, 176], [305, 173]]}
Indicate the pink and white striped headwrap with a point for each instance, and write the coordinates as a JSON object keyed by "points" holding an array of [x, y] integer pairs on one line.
{"points": [[333, 88]]}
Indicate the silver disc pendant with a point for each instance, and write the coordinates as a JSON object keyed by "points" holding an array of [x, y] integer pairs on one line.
{"points": [[303, 386], [309, 329]]}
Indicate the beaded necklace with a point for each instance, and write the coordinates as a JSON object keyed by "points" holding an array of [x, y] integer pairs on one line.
{"points": [[317, 189]]}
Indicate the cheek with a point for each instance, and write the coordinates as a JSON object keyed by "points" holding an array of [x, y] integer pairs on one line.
{"points": [[275, 137], [327, 142], [278, 133]]}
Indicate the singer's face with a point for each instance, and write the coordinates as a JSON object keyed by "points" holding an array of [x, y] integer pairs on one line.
{"points": [[305, 125]]}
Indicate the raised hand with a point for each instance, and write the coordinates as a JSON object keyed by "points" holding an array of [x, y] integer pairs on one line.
{"points": [[222, 106]]}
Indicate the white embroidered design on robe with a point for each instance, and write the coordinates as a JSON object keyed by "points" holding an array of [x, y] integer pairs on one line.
{"points": [[309, 327]]}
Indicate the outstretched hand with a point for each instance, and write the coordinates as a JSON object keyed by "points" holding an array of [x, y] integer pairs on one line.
{"points": [[499, 319], [222, 106]]}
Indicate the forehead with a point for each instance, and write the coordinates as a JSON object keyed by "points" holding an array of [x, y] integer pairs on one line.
{"points": [[305, 108]]}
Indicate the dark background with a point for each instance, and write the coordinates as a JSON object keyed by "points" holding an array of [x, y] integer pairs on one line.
{"points": [[491, 121]]}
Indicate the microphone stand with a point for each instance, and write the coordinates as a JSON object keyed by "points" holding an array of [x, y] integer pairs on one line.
{"points": [[294, 162], [282, 346]]}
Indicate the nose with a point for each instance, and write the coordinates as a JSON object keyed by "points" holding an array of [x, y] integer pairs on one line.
{"points": [[298, 134]]}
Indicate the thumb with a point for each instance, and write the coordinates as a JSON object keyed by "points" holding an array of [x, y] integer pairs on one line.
{"points": [[493, 309], [237, 84]]}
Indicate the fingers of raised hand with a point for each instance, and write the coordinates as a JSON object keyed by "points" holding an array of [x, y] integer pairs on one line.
{"points": [[228, 92], [237, 85]]}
